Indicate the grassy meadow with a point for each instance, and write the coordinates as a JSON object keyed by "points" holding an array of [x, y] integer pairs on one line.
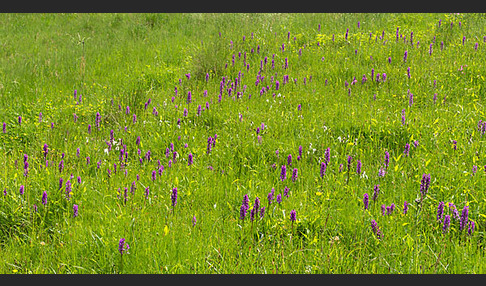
{"points": [[242, 143]]}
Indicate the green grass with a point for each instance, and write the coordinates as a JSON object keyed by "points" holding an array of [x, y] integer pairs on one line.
{"points": [[120, 60]]}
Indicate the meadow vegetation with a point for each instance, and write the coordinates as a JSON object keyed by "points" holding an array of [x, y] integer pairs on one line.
{"points": [[242, 143]]}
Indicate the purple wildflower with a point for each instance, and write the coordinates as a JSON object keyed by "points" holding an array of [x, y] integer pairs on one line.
{"points": [[61, 166], [293, 216], [405, 207], [45, 150], [270, 196], [75, 210], [173, 196], [376, 191], [123, 247], [294, 174], [327, 155], [68, 189], [286, 191], [189, 159], [323, 169], [424, 184], [366, 200], [376, 229], [447, 222], [440, 211], [464, 218], [407, 149], [358, 167], [387, 159], [283, 173], [44, 198], [470, 230]]}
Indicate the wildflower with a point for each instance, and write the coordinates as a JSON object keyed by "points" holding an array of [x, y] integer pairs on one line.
{"points": [[424, 184], [147, 192], [97, 120], [189, 159], [408, 72], [407, 149], [381, 172], [474, 169], [286, 191], [349, 162], [383, 209], [405, 207], [440, 211], [279, 198], [327, 155], [189, 97], [289, 160], [44, 198], [387, 159], [376, 229], [358, 167], [376, 191], [403, 116], [270, 196], [61, 166], [454, 143], [4, 127], [21, 190], [123, 247], [256, 205], [75, 210], [293, 216], [464, 218], [294, 175], [470, 230], [45, 150], [253, 213], [366, 201], [243, 210], [405, 56], [194, 221], [323, 169], [173, 196], [262, 212], [68, 189], [283, 173], [20, 120], [447, 222]]}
